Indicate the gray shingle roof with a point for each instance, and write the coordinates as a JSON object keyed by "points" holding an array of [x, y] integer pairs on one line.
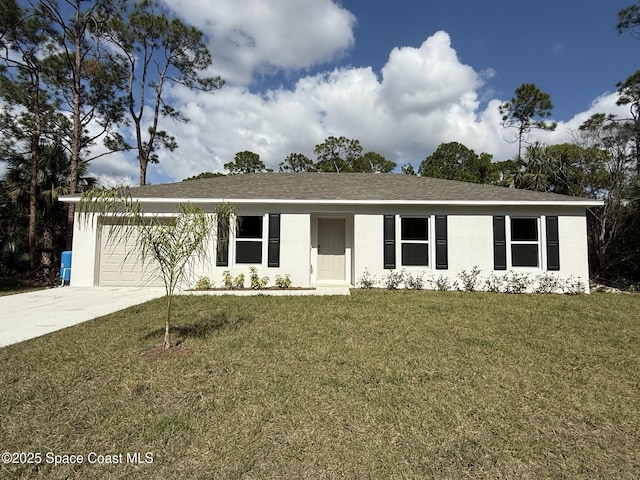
{"points": [[348, 187]]}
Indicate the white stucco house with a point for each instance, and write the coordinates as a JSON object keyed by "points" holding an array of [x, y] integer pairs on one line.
{"points": [[327, 228]]}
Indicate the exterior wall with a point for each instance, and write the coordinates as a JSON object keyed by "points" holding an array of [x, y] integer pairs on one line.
{"points": [[295, 241], [469, 243], [85, 252]]}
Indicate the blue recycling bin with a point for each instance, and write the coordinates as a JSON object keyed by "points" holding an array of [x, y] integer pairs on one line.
{"points": [[65, 268]]}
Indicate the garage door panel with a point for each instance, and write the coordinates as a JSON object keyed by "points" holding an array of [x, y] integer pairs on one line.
{"points": [[120, 264]]}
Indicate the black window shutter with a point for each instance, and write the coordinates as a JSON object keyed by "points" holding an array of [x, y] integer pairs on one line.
{"points": [[499, 243], [390, 242], [273, 254], [442, 258], [222, 251], [553, 244]]}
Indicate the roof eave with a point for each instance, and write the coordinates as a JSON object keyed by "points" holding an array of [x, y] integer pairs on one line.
{"points": [[587, 203]]}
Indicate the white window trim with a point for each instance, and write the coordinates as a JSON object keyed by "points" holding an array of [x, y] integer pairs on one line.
{"points": [[537, 242], [234, 239], [428, 242]]}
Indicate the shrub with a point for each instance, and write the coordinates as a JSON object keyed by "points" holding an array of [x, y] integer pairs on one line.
{"points": [[575, 286], [393, 279], [518, 282], [494, 283], [238, 282], [203, 283], [442, 283], [470, 280], [283, 282], [548, 283], [366, 280], [227, 280], [257, 282], [414, 283]]}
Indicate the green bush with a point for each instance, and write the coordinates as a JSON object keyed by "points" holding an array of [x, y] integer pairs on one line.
{"points": [[367, 280], [238, 282], [283, 281], [256, 282], [203, 283]]}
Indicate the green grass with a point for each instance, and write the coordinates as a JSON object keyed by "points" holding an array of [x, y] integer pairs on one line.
{"points": [[376, 385]]}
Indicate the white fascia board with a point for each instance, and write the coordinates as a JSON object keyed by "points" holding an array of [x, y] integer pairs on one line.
{"points": [[245, 201]]}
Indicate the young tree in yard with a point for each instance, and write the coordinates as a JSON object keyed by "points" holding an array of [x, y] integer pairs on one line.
{"points": [[159, 51], [528, 109], [171, 246]]}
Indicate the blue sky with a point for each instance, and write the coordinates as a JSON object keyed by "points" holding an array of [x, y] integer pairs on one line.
{"points": [[402, 76], [569, 48]]}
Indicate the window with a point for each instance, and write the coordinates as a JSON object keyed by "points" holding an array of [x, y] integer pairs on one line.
{"points": [[524, 242], [249, 239], [414, 236]]}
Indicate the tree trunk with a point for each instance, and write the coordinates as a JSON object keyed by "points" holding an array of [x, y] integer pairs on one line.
{"points": [[143, 172], [33, 180], [46, 257], [33, 196], [76, 138], [167, 340]]}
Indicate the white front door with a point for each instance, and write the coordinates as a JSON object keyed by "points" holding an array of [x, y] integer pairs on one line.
{"points": [[331, 248]]}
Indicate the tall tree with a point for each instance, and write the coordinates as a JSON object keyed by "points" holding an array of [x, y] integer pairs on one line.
{"points": [[160, 50], [24, 39], [372, 162], [629, 19], [407, 169], [629, 91], [528, 109], [297, 162], [52, 181], [85, 78], [337, 154], [204, 175], [455, 161], [612, 138], [246, 162]]}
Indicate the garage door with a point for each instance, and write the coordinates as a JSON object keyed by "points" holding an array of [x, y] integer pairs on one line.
{"points": [[120, 264]]}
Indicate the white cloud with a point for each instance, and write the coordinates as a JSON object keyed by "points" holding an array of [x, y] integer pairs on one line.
{"points": [[421, 80], [565, 131], [256, 36], [423, 97]]}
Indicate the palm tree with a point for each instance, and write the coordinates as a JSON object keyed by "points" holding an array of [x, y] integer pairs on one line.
{"points": [[52, 180]]}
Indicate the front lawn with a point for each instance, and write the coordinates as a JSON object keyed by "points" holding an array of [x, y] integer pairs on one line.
{"points": [[377, 385]]}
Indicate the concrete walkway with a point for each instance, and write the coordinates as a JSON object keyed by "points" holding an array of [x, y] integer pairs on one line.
{"points": [[29, 315]]}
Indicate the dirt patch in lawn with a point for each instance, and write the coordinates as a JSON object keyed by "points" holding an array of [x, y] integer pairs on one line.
{"points": [[154, 354]]}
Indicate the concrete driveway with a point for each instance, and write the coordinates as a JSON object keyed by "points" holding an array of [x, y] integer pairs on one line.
{"points": [[29, 315]]}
